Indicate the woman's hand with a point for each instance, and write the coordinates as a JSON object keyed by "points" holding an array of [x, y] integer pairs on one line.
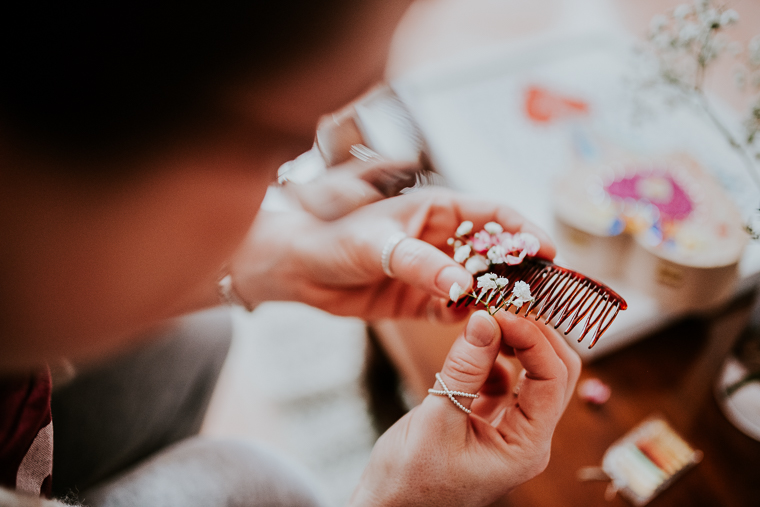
{"points": [[439, 455], [336, 265]]}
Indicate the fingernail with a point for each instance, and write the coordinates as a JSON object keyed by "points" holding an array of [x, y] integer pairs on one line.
{"points": [[481, 329], [448, 276]]}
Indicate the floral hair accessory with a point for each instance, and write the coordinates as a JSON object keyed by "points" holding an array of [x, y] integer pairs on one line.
{"points": [[455, 292], [493, 294], [490, 246], [480, 251]]}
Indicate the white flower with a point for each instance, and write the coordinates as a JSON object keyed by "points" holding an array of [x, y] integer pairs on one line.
{"points": [[710, 18], [450, 241], [487, 281], [493, 228], [753, 48], [497, 254], [740, 78], [662, 40], [521, 294], [476, 264], [682, 11], [455, 292], [729, 17], [502, 282], [688, 33], [702, 4], [462, 253], [657, 23], [464, 228]]}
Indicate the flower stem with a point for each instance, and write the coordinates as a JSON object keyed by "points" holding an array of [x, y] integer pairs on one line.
{"points": [[738, 147]]}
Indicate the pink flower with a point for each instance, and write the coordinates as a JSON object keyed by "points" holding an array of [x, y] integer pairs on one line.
{"points": [[506, 242], [532, 245], [519, 245], [513, 260], [482, 242]]}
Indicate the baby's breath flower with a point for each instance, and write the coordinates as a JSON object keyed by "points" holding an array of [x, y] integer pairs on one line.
{"points": [[740, 78], [688, 33], [497, 254], [462, 253], [753, 48], [710, 18], [464, 228], [450, 241], [455, 292], [521, 294], [729, 17], [701, 5], [476, 264], [502, 282], [657, 24], [493, 228], [682, 11], [487, 281]]}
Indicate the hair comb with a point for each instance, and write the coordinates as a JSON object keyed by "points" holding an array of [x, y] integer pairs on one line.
{"points": [[561, 295]]}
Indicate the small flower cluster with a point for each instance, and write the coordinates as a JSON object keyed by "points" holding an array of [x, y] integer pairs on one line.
{"points": [[492, 289], [693, 31], [486, 248], [748, 79], [685, 43], [491, 246]]}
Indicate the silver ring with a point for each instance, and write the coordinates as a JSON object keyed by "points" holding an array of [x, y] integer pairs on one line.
{"points": [[450, 394], [390, 245]]}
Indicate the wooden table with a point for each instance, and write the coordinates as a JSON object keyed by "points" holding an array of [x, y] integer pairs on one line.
{"points": [[668, 374]]}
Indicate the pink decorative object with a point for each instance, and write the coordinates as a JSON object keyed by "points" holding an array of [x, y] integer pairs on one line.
{"points": [[594, 391], [657, 187]]}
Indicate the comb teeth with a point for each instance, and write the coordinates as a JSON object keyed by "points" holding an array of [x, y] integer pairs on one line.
{"points": [[562, 296]]}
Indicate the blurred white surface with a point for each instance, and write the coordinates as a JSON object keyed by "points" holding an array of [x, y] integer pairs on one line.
{"points": [[292, 380]]}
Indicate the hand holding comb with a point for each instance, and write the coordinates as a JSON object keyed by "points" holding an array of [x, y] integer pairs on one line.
{"points": [[514, 278]]}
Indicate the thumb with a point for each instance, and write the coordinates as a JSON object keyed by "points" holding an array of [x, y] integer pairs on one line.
{"points": [[470, 359]]}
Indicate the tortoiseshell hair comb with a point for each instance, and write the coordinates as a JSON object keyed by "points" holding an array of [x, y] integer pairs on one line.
{"points": [[561, 295]]}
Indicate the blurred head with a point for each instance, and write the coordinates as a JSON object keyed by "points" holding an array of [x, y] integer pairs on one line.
{"points": [[136, 143]]}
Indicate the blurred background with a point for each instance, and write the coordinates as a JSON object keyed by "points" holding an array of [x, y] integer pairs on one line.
{"points": [[465, 71]]}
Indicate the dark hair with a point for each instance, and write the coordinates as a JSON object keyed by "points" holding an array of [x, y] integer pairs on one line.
{"points": [[96, 78]]}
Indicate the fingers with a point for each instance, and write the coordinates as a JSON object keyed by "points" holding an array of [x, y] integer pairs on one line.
{"points": [[469, 361], [497, 390], [423, 266], [438, 311], [334, 195], [389, 178], [567, 355], [542, 394]]}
